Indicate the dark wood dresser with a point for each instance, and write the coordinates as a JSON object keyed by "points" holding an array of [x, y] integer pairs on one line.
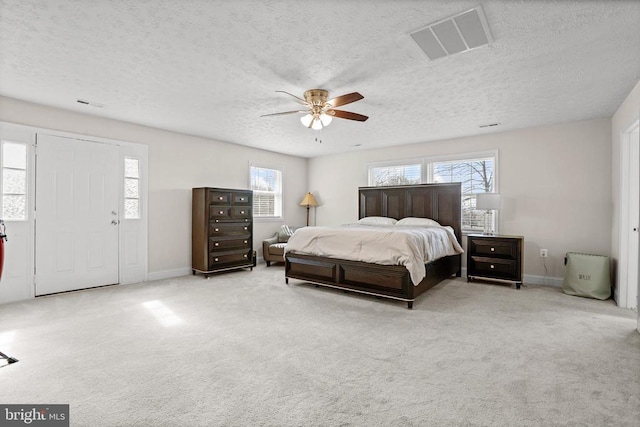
{"points": [[495, 257], [222, 230]]}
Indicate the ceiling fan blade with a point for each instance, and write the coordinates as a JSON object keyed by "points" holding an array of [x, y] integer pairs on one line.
{"points": [[284, 112], [296, 98], [345, 99], [348, 115]]}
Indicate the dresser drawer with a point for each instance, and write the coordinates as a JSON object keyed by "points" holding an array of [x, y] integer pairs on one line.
{"points": [[241, 199], [241, 212], [494, 267], [219, 197], [241, 230], [220, 243], [507, 248], [220, 212], [235, 257]]}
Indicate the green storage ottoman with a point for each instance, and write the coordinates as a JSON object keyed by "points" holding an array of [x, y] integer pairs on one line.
{"points": [[587, 276]]}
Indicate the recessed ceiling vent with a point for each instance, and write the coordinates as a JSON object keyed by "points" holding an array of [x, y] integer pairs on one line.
{"points": [[459, 33], [90, 103], [489, 125]]}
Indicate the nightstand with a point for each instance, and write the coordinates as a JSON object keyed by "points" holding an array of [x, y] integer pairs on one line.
{"points": [[495, 257]]}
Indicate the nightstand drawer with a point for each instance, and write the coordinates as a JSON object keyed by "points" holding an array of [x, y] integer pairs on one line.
{"points": [[494, 247], [494, 267]]}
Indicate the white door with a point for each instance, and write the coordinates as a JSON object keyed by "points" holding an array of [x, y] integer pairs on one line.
{"points": [[76, 224], [634, 215]]}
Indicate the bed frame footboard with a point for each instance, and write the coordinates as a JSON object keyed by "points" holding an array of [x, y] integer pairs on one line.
{"points": [[388, 281]]}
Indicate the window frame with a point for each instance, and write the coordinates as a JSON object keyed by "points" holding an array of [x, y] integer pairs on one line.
{"points": [[427, 166], [279, 196]]}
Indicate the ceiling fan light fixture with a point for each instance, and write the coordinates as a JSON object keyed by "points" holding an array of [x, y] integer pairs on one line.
{"points": [[320, 111], [306, 120], [325, 119]]}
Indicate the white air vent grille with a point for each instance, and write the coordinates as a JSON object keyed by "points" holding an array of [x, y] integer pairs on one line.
{"points": [[465, 31]]}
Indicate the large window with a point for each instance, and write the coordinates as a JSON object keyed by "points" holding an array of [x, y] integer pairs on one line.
{"points": [[266, 184], [477, 173], [14, 181]]}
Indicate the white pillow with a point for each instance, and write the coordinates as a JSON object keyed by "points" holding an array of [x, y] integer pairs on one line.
{"points": [[377, 220], [418, 222]]}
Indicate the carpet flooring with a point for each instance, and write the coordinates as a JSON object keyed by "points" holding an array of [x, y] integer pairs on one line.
{"points": [[245, 349]]}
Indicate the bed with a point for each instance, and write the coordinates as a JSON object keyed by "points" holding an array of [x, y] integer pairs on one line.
{"points": [[439, 202]]}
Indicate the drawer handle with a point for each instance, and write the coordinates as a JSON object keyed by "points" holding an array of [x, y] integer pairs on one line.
{"points": [[242, 199], [221, 212], [216, 229], [215, 259], [241, 212], [217, 220], [220, 198], [246, 220], [493, 266], [246, 228], [245, 241], [216, 244], [493, 249], [245, 255]]}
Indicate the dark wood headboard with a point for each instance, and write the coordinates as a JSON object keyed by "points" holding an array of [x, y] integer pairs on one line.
{"points": [[440, 202]]}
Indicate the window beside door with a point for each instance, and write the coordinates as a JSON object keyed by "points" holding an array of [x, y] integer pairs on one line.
{"points": [[131, 188], [14, 181]]}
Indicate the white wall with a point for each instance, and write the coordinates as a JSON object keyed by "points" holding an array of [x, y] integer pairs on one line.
{"points": [[555, 182], [176, 164]]}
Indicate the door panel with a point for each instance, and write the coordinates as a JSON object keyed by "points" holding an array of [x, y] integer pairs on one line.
{"points": [[77, 194]]}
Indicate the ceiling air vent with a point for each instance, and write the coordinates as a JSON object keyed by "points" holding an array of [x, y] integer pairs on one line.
{"points": [[459, 33], [90, 103], [489, 125]]}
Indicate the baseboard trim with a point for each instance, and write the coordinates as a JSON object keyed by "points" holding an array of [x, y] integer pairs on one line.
{"points": [[543, 280], [168, 274]]}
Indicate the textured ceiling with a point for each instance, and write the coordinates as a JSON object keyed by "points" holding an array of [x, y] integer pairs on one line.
{"points": [[211, 68]]}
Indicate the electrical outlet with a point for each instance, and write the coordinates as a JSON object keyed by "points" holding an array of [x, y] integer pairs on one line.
{"points": [[544, 253]]}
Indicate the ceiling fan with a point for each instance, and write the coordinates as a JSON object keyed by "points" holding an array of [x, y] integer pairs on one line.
{"points": [[319, 111]]}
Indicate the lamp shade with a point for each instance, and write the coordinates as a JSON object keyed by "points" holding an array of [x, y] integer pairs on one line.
{"points": [[488, 201], [306, 120], [309, 200]]}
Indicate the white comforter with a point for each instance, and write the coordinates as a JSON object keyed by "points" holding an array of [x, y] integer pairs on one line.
{"points": [[409, 246]]}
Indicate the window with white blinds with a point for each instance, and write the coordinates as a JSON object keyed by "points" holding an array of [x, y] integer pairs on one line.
{"points": [[476, 172], [266, 184], [395, 174]]}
